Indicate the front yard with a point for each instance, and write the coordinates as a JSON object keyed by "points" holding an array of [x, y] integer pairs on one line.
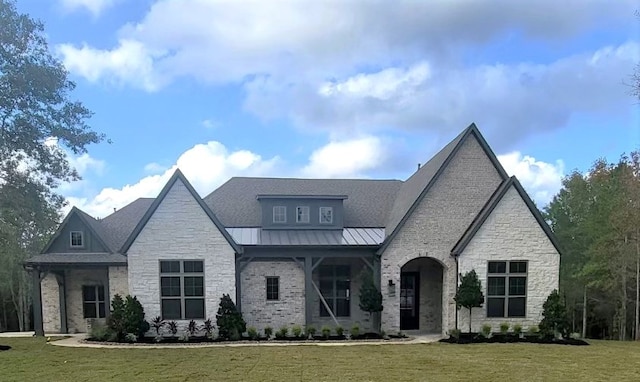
{"points": [[32, 359]]}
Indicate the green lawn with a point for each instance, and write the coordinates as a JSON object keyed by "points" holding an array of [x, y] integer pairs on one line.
{"points": [[31, 359]]}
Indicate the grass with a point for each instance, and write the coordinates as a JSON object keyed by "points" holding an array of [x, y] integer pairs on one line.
{"points": [[33, 359]]}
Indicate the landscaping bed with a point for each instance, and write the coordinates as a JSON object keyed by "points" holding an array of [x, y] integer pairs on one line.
{"points": [[476, 338]]}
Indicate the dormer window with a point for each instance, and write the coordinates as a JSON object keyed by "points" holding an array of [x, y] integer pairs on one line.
{"points": [[326, 215], [302, 214], [77, 241], [279, 214]]}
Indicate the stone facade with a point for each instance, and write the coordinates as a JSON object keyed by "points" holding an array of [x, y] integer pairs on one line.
{"points": [[118, 281], [180, 229], [436, 224], [288, 310], [75, 279], [50, 304], [511, 232]]}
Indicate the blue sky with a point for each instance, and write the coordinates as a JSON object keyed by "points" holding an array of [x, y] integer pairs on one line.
{"points": [[340, 89]]}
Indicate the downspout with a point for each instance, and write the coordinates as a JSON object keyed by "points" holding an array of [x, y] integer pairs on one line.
{"points": [[455, 257]]}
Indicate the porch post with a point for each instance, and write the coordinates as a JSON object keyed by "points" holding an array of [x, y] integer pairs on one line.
{"points": [[308, 289], [377, 275], [37, 302], [238, 286], [107, 295], [62, 301]]}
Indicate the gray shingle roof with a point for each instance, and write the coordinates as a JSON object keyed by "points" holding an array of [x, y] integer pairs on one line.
{"points": [[77, 258], [117, 227], [368, 202]]}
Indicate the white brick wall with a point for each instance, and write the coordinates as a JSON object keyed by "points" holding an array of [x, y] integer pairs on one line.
{"points": [[180, 229], [50, 304], [437, 224], [288, 310], [75, 279], [512, 233]]}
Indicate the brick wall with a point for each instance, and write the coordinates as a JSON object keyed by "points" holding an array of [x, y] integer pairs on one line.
{"points": [[75, 279], [50, 304]]}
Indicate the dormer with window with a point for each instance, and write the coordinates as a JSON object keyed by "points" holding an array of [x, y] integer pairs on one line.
{"points": [[302, 211], [76, 239]]}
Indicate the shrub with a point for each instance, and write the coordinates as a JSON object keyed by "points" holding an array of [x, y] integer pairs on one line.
{"points": [[158, 323], [184, 337], [575, 336], [116, 320], [310, 331], [296, 331], [504, 327], [268, 331], [173, 327], [469, 294], [207, 326], [555, 320], [253, 333], [486, 330], [370, 296], [127, 316], [282, 332], [229, 320], [517, 329], [355, 330], [455, 333], [131, 337], [192, 328], [326, 331], [533, 330], [339, 330], [101, 333]]}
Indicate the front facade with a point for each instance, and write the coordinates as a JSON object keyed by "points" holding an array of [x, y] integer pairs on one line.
{"points": [[294, 251]]}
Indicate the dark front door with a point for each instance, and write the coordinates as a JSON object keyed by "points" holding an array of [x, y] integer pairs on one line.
{"points": [[409, 301]]}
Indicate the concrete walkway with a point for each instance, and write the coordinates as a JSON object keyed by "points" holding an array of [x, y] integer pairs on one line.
{"points": [[77, 341]]}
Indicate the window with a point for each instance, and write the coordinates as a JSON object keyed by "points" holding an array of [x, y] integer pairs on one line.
{"points": [[302, 214], [326, 215], [334, 286], [93, 304], [182, 289], [279, 214], [77, 239], [273, 288], [507, 289]]}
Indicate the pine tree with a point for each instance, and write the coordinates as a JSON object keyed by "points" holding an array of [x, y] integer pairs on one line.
{"points": [[230, 323]]}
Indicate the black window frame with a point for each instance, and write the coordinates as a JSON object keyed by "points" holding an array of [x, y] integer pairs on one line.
{"points": [[503, 277], [97, 305], [272, 284], [182, 282], [332, 280]]}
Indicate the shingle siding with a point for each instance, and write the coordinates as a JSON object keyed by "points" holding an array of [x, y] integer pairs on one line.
{"points": [[512, 233], [180, 229], [437, 223]]}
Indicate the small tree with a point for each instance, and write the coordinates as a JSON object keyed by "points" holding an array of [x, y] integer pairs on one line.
{"points": [[229, 320], [134, 317], [469, 294], [116, 320], [370, 297], [554, 315]]}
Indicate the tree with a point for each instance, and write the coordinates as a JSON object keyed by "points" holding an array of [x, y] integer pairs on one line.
{"points": [[370, 297], [39, 125], [469, 294], [230, 323], [554, 316]]}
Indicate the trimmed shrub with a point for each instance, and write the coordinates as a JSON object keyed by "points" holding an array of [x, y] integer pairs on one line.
{"points": [[252, 332], [268, 331], [504, 328], [127, 316], [296, 331], [517, 329], [355, 330], [326, 331], [486, 330], [555, 320], [282, 332], [339, 331], [131, 337], [101, 333], [229, 320], [310, 331], [533, 330], [455, 333]]}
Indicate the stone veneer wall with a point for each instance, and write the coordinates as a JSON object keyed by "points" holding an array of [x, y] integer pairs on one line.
{"points": [[435, 226], [75, 279], [118, 281], [288, 310], [50, 304], [180, 229], [430, 293], [512, 233]]}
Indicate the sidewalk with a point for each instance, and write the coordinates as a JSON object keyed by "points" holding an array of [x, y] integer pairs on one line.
{"points": [[76, 341]]}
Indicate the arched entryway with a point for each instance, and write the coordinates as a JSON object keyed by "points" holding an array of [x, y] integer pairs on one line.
{"points": [[421, 295]]}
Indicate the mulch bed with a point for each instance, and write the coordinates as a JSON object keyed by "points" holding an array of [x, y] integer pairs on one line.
{"points": [[4, 347], [474, 338]]}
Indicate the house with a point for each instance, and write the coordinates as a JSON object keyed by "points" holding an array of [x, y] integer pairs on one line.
{"points": [[291, 251]]}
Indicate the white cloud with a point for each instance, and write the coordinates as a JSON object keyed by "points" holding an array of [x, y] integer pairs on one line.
{"points": [[346, 159], [205, 165], [542, 180], [154, 168], [95, 7]]}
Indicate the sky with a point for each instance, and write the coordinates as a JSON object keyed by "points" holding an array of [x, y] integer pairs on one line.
{"points": [[340, 89]]}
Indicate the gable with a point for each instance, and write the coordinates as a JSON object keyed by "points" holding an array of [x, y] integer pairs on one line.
{"points": [[74, 222], [450, 195], [179, 207]]}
